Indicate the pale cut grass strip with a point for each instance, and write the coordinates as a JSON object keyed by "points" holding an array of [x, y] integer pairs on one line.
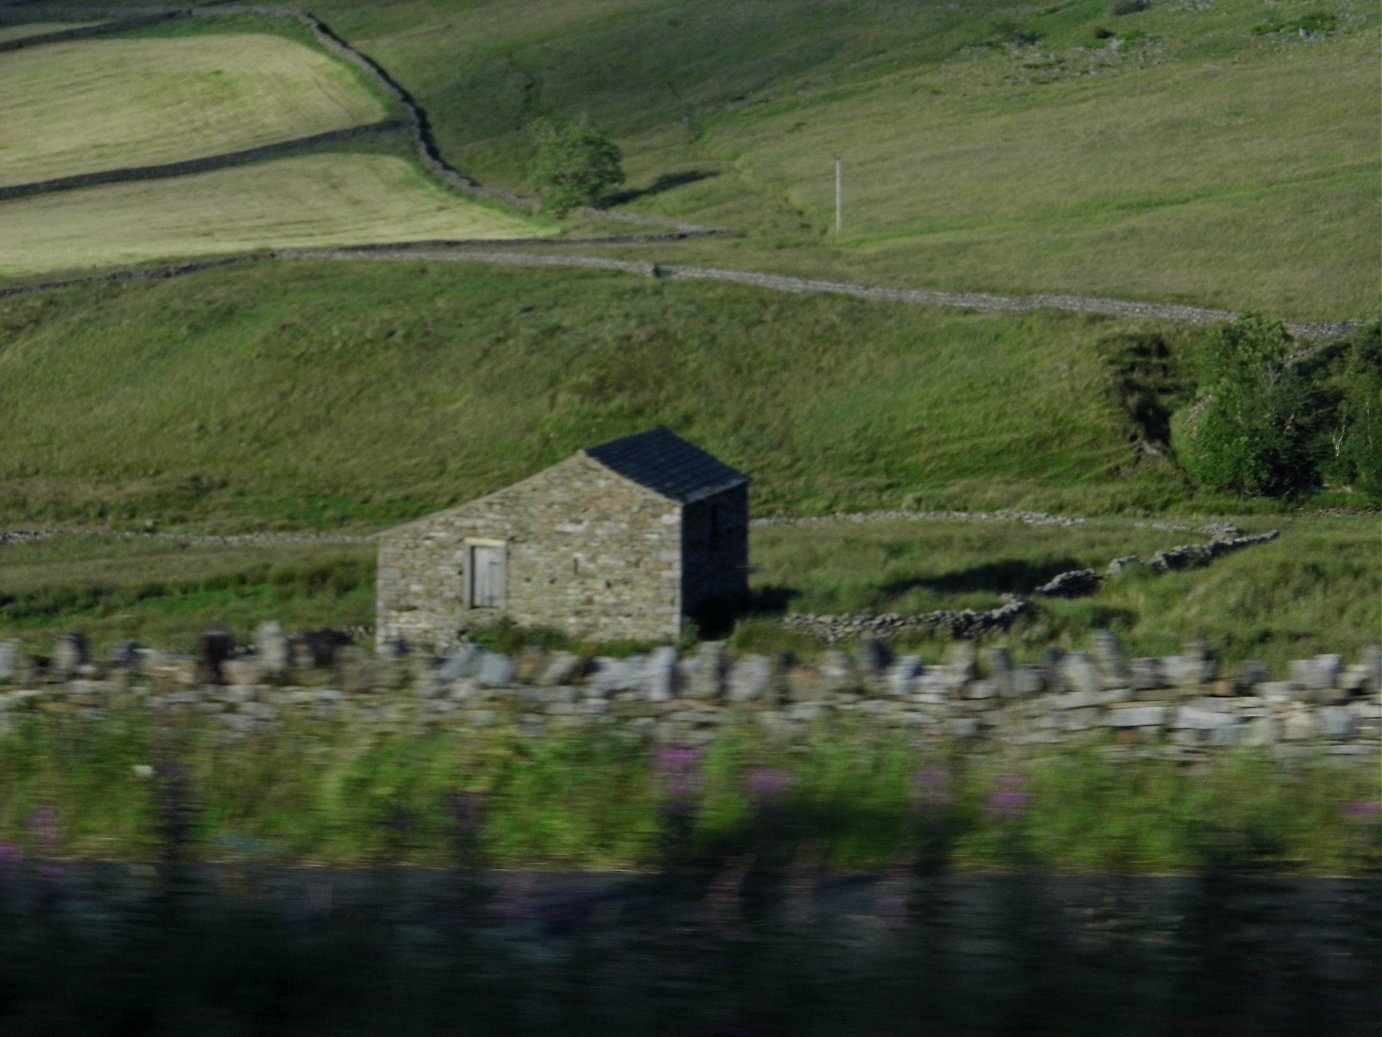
{"points": [[310, 200], [100, 104]]}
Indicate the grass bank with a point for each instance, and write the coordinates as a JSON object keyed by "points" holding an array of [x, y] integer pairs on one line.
{"points": [[1315, 589], [1179, 151], [854, 800], [283, 396]]}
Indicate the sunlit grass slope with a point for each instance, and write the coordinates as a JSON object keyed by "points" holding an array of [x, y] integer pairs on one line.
{"points": [[318, 394], [1316, 588], [99, 104], [1263, 603], [166, 593], [1180, 152], [302, 201]]}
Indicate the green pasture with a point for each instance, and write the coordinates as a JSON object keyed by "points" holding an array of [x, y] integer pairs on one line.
{"points": [[320, 395], [1175, 153], [304, 201], [1206, 154], [166, 593], [96, 104], [1317, 588]]}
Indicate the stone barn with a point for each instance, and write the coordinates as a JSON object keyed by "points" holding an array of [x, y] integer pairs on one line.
{"points": [[623, 540]]}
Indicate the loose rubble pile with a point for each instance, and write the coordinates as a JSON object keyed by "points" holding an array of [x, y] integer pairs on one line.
{"points": [[967, 624], [1077, 583], [1181, 705]]}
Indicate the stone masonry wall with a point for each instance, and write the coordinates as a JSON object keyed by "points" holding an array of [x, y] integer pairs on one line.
{"points": [[1182, 706], [588, 552]]}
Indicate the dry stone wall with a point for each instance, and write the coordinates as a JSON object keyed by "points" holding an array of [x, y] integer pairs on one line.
{"points": [[199, 165], [1183, 706]]}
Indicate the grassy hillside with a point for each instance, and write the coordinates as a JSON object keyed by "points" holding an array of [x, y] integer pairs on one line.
{"points": [[1222, 154], [1314, 589], [307, 393], [1181, 152], [303, 201], [99, 104], [1188, 152]]}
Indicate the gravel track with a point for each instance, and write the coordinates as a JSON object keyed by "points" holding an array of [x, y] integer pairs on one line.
{"points": [[458, 252]]}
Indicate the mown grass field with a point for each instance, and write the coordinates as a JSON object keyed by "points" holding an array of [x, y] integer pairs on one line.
{"points": [[97, 104], [1201, 154], [302, 201]]}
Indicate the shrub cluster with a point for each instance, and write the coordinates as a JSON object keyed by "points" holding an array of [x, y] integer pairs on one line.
{"points": [[1271, 421]]}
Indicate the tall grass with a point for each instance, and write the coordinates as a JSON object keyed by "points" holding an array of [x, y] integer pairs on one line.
{"points": [[853, 799], [1315, 589], [324, 394], [166, 594]]}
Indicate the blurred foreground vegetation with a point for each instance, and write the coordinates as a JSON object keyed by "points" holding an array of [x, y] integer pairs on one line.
{"points": [[138, 786]]}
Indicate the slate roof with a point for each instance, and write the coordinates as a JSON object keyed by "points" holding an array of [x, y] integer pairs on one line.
{"points": [[667, 464]]}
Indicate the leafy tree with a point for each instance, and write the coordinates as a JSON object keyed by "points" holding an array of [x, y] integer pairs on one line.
{"points": [[1257, 431], [576, 164], [1358, 440]]}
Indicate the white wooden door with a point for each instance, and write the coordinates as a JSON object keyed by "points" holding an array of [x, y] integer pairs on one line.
{"points": [[486, 576]]}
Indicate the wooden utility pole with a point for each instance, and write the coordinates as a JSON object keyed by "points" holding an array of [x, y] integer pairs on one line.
{"points": [[839, 196]]}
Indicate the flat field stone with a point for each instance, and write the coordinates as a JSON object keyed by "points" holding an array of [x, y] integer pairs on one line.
{"points": [[1136, 716]]}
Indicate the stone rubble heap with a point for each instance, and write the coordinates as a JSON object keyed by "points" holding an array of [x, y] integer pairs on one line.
{"points": [[958, 623], [1077, 583], [1180, 705]]}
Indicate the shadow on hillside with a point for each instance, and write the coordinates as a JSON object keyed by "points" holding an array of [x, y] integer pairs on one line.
{"points": [[716, 618], [666, 182], [1011, 576]]}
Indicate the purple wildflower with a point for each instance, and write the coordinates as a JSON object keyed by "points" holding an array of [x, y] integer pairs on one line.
{"points": [[678, 774], [1364, 810], [1009, 802], [766, 783]]}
